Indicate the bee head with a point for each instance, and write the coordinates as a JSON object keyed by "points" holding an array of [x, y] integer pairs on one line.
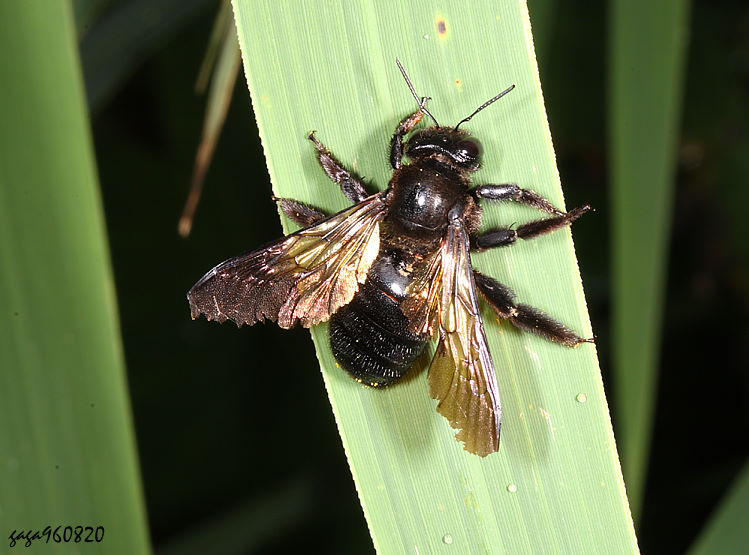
{"points": [[447, 144]]}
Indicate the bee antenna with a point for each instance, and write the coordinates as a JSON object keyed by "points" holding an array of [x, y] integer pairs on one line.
{"points": [[421, 100], [485, 104]]}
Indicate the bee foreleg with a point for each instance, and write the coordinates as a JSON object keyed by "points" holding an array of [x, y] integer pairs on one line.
{"points": [[396, 143], [527, 318], [350, 184]]}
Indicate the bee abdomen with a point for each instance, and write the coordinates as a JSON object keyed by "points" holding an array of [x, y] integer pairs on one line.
{"points": [[370, 338]]}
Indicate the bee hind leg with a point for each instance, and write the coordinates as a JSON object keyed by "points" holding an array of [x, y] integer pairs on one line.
{"points": [[527, 318]]}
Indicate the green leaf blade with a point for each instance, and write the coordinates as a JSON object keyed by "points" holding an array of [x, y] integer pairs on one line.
{"points": [[648, 48], [66, 439], [555, 485]]}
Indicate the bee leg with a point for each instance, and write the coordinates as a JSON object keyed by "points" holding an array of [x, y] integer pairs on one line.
{"points": [[396, 143], [527, 318], [504, 237], [350, 184], [301, 213], [511, 192]]}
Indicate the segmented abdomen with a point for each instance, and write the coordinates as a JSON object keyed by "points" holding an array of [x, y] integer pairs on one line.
{"points": [[369, 336]]}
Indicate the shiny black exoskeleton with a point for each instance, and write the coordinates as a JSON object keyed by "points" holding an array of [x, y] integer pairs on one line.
{"points": [[370, 336]]}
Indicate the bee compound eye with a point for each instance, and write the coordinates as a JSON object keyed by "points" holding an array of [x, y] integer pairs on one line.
{"points": [[469, 149]]}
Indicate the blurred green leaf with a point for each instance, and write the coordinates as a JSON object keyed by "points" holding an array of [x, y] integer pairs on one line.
{"points": [[223, 52], [555, 485], [86, 12], [223, 27], [727, 532], [67, 450], [124, 36], [647, 53], [247, 527]]}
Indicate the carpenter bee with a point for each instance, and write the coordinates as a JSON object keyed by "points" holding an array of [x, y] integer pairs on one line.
{"points": [[394, 270]]}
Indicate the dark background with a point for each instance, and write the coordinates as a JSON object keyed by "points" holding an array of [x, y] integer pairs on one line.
{"points": [[205, 397]]}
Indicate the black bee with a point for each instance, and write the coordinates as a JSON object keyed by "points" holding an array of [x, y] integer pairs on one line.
{"points": [[394, 270]]}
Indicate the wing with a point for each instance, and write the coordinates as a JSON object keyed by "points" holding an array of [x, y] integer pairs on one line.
{"points": [[442, 299], [303, 277]]}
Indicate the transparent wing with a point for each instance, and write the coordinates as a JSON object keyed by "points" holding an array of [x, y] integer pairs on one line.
{"points": [[443, 300], [304, 277]]}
